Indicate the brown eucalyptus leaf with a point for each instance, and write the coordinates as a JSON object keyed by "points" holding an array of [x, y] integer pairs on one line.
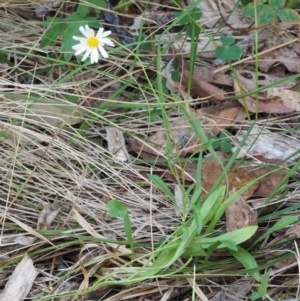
{"points": [[261, 104], [268, 183], [236, 177], [240, 215], [47, 216]]}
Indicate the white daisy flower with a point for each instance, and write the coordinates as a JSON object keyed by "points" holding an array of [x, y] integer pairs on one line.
{"points": [[92, 44]]}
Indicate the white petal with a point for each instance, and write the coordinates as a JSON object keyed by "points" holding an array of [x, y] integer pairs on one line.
{"points": [[108, 42], [79, 49], [87, 32], [103, 52], [90, 31], [81, 40], [104, 34], [94, 55], [88, 52], [99, 33]]}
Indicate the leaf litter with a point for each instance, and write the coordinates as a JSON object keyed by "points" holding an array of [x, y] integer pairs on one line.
{"points": [[82, 173]]}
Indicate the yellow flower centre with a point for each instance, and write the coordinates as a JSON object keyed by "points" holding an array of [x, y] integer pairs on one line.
{"points": [[93, 42]]}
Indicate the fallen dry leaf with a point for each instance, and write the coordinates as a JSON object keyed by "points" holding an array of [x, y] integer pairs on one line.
{"points": [[261, 104], [263, 142], [199, 86], [47, 216], [236, 178], [268, 183], [20, 282], [213, 121], [287, 55], [116, 144], [289, 98], [240, 215]]}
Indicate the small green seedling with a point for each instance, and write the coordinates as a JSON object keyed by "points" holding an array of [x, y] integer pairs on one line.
{"points": [[117, 209], [267, 11], [229, 51], [189, 20], [224, 142]]}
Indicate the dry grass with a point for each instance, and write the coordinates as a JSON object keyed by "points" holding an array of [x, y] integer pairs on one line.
{"points": [[56, 182]]}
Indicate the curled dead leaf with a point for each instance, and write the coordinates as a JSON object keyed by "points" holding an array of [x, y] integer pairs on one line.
{"points": [[240, 215]]}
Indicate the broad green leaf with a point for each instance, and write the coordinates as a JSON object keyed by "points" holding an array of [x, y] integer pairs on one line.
{"points": [[226, 147], [222, 53], [288, 15], [247, 261], [198, 220], [211, 249], [249, 10], [236, 237], [172, 251], [182, 17], [116, 209], [98, 3], [196, 13], [234, 52], [245, 2], [74, 21], [230, 245], [211, 203], [280, 224], [50, 36], [266, 16], [82, 10], [277, 4], [192, 30], [227, 41], [162, 186]]}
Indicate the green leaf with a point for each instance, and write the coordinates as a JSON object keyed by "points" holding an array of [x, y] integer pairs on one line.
{"points": [[226, 147], [280, 224], [235, 52], [82, 10], [277, 4], [192, 30], [225, 134], [288, 15], [230, 245], [227, 41], [198, 220], [128, 231], [98, 3], [162, 186], [211, 203], [196, 13], [175, 76], [247, 261], [116, 209], [237, 237], [182, 17], [245, 2], [51, 35], [262, 289], [266, 16], [222, 53], [71, 98], [249, 10], [73, 22]]}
